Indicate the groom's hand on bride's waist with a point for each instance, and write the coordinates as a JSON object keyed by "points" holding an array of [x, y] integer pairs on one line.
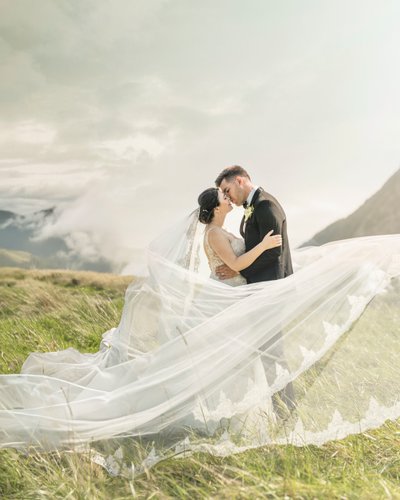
{"points": [[224, 272]]}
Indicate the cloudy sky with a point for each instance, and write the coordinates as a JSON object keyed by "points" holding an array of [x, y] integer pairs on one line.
{"points": [[120, 112]]}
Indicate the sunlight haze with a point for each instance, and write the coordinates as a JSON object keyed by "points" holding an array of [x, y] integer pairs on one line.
{"points": [[120, 113]]}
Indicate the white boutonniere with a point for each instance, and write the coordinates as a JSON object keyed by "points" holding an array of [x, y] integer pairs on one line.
{"points": [[248, 212]]}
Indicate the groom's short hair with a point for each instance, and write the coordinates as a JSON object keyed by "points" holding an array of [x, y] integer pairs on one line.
{"points": [[230, 172]]}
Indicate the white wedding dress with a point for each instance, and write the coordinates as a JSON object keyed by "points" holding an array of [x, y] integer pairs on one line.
{"points": [[252, 379], [181, 371]]}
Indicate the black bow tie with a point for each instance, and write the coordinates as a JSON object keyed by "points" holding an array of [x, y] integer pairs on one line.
{"points": [[245, 204]]}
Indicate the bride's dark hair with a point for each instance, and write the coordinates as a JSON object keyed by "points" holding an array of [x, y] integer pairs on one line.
{"points": [[208, 200]]}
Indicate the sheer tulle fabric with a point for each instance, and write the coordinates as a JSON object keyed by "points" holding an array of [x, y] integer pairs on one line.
{"points": [[194, 363]]}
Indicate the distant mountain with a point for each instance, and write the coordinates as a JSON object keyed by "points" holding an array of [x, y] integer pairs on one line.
{"points": [[17, 233], [6, 216], [15, 258], [19, 248], [380, 214]]}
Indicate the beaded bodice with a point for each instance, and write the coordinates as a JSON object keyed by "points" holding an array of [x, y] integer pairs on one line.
{"points": [[214, 261]]}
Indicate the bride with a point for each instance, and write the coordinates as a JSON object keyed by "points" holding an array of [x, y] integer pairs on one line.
{"points": [[183, 363], [224, 248]]}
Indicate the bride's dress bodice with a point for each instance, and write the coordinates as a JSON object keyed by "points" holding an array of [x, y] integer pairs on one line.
{"points": [[214, 261]]}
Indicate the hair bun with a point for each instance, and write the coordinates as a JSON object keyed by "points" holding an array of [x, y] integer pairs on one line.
{"points": [[205, 216], [208, 200]]}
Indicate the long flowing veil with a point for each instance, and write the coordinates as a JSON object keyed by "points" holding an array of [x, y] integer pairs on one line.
{"points": [[196, 364]]}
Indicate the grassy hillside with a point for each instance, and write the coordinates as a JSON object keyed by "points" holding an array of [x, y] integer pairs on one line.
{"points": [[51, 310]]}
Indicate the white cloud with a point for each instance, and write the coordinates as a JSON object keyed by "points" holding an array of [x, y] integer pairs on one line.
{"points": [[28, 132], [109, 107]]}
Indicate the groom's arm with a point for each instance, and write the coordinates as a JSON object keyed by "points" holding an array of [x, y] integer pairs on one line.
{"points": [[267, 216]]}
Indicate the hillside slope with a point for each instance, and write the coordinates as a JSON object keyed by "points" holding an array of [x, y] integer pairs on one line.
{"points": [[380, 214]]}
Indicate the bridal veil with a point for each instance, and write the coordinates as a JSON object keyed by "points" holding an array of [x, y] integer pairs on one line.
{"points": [[187, 367]]}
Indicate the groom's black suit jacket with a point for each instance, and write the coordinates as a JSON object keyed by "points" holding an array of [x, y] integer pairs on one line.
{"points": [[268, 214]]}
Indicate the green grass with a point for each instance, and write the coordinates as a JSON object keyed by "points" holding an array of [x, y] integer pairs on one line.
{"points": [[51, 310]]}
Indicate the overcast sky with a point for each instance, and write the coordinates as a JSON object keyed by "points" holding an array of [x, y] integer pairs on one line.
{"points": [[120, 112]]}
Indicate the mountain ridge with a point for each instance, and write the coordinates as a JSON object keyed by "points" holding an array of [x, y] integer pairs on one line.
{"points": [[379, 214], [19, 248]]}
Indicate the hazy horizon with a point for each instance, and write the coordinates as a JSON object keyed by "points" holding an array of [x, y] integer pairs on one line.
{"points": [[121, 113]]}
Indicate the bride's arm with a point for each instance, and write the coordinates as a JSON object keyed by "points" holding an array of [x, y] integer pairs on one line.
{"points": [[222, 247]]}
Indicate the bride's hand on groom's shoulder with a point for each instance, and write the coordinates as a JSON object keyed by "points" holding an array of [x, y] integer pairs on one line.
{"points": [[224, 272]]}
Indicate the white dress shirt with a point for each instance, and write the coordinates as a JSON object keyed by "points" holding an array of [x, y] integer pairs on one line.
{"points": [[251, 194]]}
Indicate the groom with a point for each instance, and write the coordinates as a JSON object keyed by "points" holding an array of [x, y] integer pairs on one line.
{"points": [[262, 213]]}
